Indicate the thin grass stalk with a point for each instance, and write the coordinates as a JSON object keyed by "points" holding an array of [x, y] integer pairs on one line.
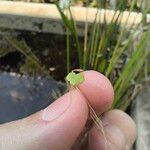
{"points": [[95, 44], [91, 42], [71, 25], [86, 39], [144, 13], [104, 40], [75, 33], [117, 52], [68, 50], [95, 38], [110, 29], [129, 72]]}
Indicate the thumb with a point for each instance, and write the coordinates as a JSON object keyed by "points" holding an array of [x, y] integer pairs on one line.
{"points": [[58, 126]]}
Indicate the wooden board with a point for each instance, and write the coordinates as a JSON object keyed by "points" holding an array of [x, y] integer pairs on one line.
{"points": [[46, 18]]}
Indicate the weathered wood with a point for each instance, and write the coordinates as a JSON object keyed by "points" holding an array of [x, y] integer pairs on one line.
{"points": [[46, 18], [141, 114]]}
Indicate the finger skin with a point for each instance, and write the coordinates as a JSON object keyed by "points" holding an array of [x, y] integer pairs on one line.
{"points": [[58, 126], [98, 91], [119, 129]]}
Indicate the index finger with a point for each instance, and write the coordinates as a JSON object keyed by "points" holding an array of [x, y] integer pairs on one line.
{"points": [[98, 90]]}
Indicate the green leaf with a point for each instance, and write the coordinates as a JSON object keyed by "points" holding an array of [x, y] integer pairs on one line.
{"points": [[75, 78]]}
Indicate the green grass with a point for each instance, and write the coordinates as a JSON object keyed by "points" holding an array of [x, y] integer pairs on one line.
{"points": [[120, 54]]}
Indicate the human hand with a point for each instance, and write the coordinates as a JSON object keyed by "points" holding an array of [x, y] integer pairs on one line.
{"points": [[59, 125]]}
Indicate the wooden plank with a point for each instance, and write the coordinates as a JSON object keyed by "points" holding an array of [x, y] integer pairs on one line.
{"points": [[46, 18], [140, 112]]}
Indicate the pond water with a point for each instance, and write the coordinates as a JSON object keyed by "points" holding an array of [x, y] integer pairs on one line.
{"points": [[21, 96], [48, 49], [29, 90]]}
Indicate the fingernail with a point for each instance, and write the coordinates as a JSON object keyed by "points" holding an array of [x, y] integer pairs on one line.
{"points": [[56, 109]]}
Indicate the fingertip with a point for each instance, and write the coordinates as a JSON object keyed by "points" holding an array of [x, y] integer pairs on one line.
{"points": [[98, 90], [65, 120], [123, 121], [120, 132]]}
